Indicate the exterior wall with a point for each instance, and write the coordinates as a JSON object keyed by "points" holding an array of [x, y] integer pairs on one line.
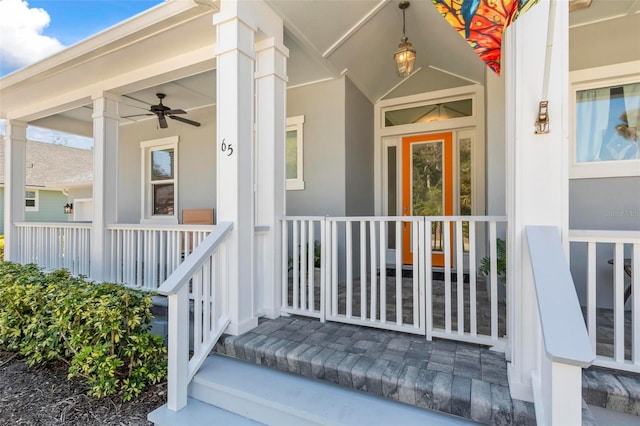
{"points": [[50, 208], [496, 145], [359, 152], [196, 162], [80, 192], [323, 107], [603, 203]]}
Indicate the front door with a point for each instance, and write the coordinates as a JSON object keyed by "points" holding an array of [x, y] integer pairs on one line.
{"points": [[427, 187]]}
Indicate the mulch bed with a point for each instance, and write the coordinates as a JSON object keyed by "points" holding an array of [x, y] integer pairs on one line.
{"points": [[43, 396]]}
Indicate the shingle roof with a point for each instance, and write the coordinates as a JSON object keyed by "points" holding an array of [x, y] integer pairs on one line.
{"points": [[54, 165]]}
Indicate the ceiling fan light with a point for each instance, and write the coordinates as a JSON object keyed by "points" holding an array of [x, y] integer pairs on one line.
{"points": [[405, 57]]}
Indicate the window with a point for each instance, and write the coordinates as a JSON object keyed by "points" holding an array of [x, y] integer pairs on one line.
{"points": [[160, 179], [606, 116], [428, 113], [31, 201], [294, 153]]}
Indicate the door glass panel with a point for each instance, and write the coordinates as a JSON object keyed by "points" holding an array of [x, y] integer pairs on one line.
{"points": [[427, 181], [429, 113], [464, 168], [392, 195]]}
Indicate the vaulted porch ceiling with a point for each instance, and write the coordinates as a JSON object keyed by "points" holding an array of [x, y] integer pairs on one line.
{"points": [[357, 38]]}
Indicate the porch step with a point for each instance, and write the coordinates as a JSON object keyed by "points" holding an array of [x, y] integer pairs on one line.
{"points": [[465, 380], [277, 398], [197, 413], [614, 390]]}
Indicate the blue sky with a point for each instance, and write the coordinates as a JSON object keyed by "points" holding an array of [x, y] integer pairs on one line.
{"points": [[33, 30]]}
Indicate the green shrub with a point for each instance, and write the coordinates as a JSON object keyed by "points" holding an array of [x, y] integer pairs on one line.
{"points": [[501, 261], [99, 330]]}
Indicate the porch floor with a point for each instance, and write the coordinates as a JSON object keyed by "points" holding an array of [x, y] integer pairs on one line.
{"points": [[462, 379]]}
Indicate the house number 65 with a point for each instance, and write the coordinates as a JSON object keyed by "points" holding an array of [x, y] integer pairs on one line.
{"points": [[225, 147]]}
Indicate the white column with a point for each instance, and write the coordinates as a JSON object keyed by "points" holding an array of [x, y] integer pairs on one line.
{"points": [[105, 181], [235, 120], [271, 83], [537, 184], [15, 154]]}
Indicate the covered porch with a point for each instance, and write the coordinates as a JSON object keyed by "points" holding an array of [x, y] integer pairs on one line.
{"points": [[252, 82]]}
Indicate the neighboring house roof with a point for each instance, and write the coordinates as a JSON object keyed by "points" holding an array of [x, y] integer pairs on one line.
{"points": [[52, 165]]}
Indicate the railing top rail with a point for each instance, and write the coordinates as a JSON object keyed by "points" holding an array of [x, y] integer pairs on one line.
{"points": [[78, 225], [304, 217], [564, 333], [158, 227], [186, 269], [604, 236], [404, 218]]}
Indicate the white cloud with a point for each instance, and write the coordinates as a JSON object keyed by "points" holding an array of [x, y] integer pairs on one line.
{"points": [[21, 30]]}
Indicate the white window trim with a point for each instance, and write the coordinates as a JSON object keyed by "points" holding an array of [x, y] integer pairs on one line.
{"points": [[592, 78], [146, 207], [37, 200], [297, 123]]}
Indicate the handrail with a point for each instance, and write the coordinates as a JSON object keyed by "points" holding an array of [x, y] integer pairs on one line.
{"points": [[70, 225], [564, 332], [186, 269], [159, 227], [613, 236]]}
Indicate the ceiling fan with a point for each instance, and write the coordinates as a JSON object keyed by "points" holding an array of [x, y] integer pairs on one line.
{"points": [[163, 111]]}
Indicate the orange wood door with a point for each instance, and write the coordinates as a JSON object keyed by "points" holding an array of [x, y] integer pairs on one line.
{"points": [[427, 186]]}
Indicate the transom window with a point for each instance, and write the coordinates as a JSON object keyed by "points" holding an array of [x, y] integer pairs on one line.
{"points": [[160, 179]]}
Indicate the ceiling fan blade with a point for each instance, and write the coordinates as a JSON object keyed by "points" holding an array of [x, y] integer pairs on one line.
{"points": [[175, 111], [163, 122], [136, 115], [184, 120]]}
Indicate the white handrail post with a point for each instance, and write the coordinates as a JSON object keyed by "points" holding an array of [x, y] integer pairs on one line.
{"points": [[178, 349], [561, 389]]}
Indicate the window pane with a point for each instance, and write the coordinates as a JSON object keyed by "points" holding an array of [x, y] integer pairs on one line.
{"points": [[292, 154], [427, 113], [163, 198], [465, 176], [607, 123], [30, 203], [391, 195], [30, 194], [162, 164]]}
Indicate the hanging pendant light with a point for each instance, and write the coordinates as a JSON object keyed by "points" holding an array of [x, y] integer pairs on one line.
{"points": [[405, 55]]}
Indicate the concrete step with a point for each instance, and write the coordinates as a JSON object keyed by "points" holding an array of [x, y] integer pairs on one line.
{"points": [[278, 398], [197, 413]]}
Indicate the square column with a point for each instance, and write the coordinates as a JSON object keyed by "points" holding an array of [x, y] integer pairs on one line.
{"points": [[105, 181], [235, 117], [15, 155], [537, 170], [271, 80]]}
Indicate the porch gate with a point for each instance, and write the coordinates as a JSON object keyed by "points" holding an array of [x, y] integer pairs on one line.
{"points": [[351, 270]]}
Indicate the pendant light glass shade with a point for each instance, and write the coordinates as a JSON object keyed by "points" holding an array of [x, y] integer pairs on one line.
{"points": [[405, 55]]}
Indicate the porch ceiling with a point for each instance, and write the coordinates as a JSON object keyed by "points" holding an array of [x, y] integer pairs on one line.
{"points": [[326, 39]]}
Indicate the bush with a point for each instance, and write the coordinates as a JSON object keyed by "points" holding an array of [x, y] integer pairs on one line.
{"points": [[99, 330]]}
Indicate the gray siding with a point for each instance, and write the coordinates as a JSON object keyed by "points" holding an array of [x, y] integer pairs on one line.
{"points": [[323, 107], [359, 146]]}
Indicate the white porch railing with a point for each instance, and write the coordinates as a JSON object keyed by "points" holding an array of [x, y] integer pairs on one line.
{"points": [[55, 245], [612, 258], [352, 283], [203, 274], [565, 348], [146, 255]]}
